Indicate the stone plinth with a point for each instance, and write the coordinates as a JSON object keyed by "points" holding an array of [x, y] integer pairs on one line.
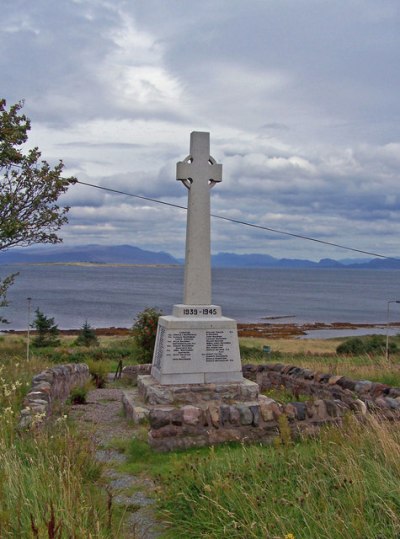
{"points": [[152, 392], [196, 345]]}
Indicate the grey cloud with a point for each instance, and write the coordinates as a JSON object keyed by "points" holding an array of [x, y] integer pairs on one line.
{"points": [[86, 144], [301, 99]]}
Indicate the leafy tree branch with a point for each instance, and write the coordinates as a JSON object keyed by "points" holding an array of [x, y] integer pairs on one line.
{"points": [[29, 190]]}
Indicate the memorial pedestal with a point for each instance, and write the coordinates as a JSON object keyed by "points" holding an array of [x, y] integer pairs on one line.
{"points": [[153, 393], [196, 345]]}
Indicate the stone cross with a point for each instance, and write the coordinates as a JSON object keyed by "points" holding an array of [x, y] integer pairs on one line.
{"points": [[198, 172], [196, 344]]}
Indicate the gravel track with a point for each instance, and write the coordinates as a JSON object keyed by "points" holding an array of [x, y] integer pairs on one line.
{"points": [[102, 420]]}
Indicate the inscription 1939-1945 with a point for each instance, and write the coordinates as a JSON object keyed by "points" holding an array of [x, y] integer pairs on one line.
{"points": [[200, 311]]}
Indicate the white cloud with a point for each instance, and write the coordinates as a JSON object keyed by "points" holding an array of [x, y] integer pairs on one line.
{"points": [[133, 73], [301, 102]]}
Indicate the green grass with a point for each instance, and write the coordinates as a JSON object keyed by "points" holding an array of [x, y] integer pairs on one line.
{"points": [[284, 396], [142, 460], [344, 485], [112, 352], [359, 367], [49, 471]]}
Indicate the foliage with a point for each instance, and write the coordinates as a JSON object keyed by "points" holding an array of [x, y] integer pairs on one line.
{"points": [[87, 336], [78, 394], [99, 371], [47, 331], [48, 478], [374, 344], [145, 332], [284, 395], [4, 286], [29, 190], [250, 354], [29, 187]]}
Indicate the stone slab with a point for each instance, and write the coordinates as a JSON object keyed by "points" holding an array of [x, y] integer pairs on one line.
{"points": [[195, 350], [152, 392]]}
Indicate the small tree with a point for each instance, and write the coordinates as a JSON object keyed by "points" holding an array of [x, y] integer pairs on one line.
{"points": [[29, 189], [4, 285], [47, 331], [87, 336], [145, 332]]}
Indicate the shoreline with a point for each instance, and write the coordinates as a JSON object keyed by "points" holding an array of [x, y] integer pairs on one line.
{"points": [[95, 264], [262, 330]]}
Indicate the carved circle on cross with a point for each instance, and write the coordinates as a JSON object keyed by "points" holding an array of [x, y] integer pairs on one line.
{"points": [[187, 182]]}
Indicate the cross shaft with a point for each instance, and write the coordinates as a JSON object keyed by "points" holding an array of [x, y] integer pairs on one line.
{"points": [[198, 172]]}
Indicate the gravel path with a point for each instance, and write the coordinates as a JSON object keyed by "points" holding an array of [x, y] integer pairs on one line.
{"points": [[101, 418]]}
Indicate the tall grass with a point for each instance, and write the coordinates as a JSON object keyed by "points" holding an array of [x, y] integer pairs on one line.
{"points": [[375, 368], [344, 485], [47, 477]]}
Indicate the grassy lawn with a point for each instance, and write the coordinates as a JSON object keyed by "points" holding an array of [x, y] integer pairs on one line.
{"points": [[48, 478], [320, 356], [344, 484], [294, 346]]}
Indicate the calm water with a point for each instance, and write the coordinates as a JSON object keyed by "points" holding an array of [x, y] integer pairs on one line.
{"points": [[112, 296]]}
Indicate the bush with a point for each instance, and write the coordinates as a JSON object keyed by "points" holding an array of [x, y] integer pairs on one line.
{"points": [[47, 331], [78, 395], [87, 336], [375, 345], [99, 371], [351, 346], [145, 332]]}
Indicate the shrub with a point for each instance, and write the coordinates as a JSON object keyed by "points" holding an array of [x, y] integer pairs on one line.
{"points": [[78, 394], [145, 332], [375, 344], [47, 331], [99, 371], [87, 336], [352, 346]]}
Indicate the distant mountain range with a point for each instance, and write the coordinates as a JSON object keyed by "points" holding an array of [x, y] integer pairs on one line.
{"points": [[95, 254], [232, 260], [128, 254]]}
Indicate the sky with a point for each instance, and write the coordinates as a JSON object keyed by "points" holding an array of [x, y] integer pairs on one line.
{"points": [[301, 99]]}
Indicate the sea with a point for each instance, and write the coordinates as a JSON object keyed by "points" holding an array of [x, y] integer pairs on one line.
{"points": [[112, 296]]}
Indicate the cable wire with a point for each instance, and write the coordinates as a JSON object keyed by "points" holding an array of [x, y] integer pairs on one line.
{"points": [[239, 222]]}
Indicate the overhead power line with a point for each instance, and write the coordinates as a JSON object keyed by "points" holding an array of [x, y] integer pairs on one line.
{"points": [[239, 222]]}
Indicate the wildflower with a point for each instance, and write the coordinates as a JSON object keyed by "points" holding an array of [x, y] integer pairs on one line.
{"points": [[289, 536]]}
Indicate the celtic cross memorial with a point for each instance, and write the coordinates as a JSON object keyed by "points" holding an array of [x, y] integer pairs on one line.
{"points": [[196, 344]]}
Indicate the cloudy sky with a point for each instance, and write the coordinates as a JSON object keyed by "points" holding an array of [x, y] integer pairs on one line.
{"points": [[301, 97]]}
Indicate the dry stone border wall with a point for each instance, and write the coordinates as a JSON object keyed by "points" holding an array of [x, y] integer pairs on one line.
{"points": [[211, 422], [374, 396], [49, 387]]}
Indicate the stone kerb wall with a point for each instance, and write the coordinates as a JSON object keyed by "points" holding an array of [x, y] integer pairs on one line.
{"points": [[211, 422], [131, 372], [373, 396], [48, 387]]}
